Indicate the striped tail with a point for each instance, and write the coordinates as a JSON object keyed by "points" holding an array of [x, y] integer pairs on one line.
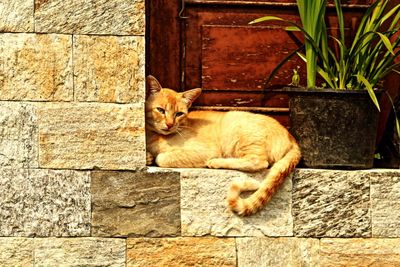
{"points": [[275, 177]]}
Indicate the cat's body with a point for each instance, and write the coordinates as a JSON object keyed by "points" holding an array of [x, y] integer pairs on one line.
{"points": [[221, 140]]}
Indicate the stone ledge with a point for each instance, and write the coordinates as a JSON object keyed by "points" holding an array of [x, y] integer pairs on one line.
{"points": [[331, 203], [204, 210], [326, 203]]}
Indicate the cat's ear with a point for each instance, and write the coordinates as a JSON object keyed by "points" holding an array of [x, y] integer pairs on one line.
{"points": [[152, 85], [190, 96]]}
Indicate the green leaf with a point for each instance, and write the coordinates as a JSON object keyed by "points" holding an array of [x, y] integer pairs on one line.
{"points": [[386, 42], [389, 14], [265, 18], [292, 29], [370, 90]]}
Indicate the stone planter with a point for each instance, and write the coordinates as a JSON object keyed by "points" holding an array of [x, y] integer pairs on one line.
{"points": [[335, 129]]}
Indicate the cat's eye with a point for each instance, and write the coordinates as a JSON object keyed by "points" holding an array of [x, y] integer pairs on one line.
{"points": [[179, 114], [161, 110]]}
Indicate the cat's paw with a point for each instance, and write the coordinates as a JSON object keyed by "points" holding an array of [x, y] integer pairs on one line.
{"points": [[149, 158], [214, 163]]}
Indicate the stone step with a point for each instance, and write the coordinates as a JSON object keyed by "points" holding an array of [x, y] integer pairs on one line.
{"points": [[311, 203]]}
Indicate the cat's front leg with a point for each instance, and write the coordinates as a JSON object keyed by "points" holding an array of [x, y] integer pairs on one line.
{"points": [[181, 158], [149, 158]]}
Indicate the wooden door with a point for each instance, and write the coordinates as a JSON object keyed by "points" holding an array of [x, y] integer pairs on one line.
{"points": [[209, 44]]}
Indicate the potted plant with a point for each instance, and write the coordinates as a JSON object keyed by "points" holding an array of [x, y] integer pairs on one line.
{"points": [[336, 127]]}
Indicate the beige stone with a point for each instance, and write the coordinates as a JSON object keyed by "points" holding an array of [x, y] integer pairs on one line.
{"points": [[44, 203], [385, 203], [135, 203], [16, 16], [16, 252], [36, 67], [91, 135], [360, 252], [118, 17], [204, 208], [18, 135], [109, 69], [331, 203], [188, 251], [79, 252], [277, 252]]}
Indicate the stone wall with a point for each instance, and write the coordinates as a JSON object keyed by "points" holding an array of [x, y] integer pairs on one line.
{"points": [[74, 189]]}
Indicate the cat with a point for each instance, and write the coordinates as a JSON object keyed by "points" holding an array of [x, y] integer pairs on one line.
{"points": [[244, 141]]}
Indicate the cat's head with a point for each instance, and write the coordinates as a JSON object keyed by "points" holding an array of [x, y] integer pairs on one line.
{"points": [[166, 110]]}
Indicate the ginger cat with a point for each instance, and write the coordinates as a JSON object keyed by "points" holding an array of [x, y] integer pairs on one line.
{"points": [[236, 140]]}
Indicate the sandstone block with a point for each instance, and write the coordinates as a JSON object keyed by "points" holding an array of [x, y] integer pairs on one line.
{"points": [[16, 252], [80, 252], [360, 252], [277, 252], [36, 67], [18, 135], [91, 135], [109, 69], [331, 203], [16, 16], [44, 203], [181, 252], [204, 208], [118, 17], [385, 203], [135, 204]]}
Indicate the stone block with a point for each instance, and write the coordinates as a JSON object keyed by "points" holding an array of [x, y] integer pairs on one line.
{"points": [[385, 203], [91, 135], [44, 203], [189, 251], [118, 17], [36, 67], [16, 16], [204, 208], [109, 69], [135, 204], [360, 252], [18, 135], [16, 251], [277, 252], [80, 252], [331, 203]]}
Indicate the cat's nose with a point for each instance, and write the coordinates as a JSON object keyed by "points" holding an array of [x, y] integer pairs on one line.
{"points": [[169, 125]]}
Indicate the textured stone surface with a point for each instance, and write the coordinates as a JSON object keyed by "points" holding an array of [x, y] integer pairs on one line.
{"points": [[277, 252], [16, 252], [44, 203], [36, 67], [135, 204], [18, 135], [80, 252], [204, 209], [118, 17], [331, 203], [109, 68], [16, 16], [181, 252], [385, 203], [91, 135], [360, 252]]}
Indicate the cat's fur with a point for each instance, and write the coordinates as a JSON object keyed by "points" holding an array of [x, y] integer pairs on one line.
{"points": [[219, 140]]}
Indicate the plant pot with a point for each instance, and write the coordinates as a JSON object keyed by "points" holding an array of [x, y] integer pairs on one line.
{"points": [[334, 128]]}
